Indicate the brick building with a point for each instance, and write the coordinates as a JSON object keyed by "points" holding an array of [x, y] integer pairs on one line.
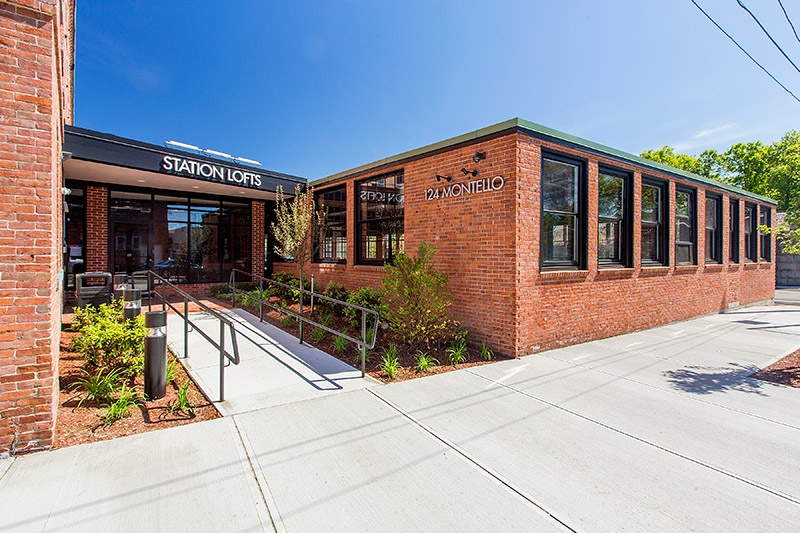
{"points": [[36, 89], [550, 239]]}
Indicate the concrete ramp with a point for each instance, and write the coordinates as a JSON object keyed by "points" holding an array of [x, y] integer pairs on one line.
{"points": [[275, 369]]}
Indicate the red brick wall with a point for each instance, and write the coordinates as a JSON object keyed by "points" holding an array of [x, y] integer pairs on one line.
{"points": [[257, 238], [489, 245], [96, 229], [568, 307], [32, 86]]}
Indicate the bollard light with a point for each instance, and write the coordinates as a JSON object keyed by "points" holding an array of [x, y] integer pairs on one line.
{"points": [[155, 355], [119, 285], [133, 303]]}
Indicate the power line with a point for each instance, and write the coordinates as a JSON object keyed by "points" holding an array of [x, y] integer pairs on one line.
{"points": [[789, 20], [745, 51], [741, 4]]}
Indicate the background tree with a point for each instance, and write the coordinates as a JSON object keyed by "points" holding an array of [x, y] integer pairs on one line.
{"points": [[769, 170], [297, 227]]}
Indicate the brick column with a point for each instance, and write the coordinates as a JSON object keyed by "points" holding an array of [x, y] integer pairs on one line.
{"points": [[257, 239], [97, 229], [30, 220]]}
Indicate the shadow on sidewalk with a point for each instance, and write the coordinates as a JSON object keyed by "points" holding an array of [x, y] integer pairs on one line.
{"points": [[707, 380]]}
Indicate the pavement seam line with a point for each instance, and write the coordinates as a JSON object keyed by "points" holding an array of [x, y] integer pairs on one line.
{"points": [[494, 475], [679, 394], [643, 441], [6, 470], [271, 509]]}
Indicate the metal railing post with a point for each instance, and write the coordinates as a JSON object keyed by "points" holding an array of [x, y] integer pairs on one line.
{"points": [[261, 300], [185, 327], [233, 288], [301, 309], [363, 338], [163, 296], [149, 291], [221, 361], [312, 294]]}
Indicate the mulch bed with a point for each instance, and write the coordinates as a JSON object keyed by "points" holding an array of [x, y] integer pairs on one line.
{"points": [[785, 372], [351, 356], [86, 423]]}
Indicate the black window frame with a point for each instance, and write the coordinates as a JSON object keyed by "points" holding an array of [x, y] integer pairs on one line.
{"points": [[318, 255], [692, 193], [716, 249], [360, 221], [626, 230], [663, 224], [734, 231], [765, 239], [581, 214], [751, 238]]}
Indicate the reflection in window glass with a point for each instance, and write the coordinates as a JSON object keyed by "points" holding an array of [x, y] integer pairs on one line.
{"points": [[713, 230], [750, 235], [381, 205], [684, 228], [559, 212], [652, 224], [766, 239], [734, 230], [611, 190], [334, 238]]}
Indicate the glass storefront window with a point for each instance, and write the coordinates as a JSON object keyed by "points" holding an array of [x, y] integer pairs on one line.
{"points": [[380, 212], [74, 236], [333, 247]]}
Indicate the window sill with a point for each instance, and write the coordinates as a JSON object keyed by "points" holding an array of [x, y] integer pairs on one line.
{"points": [[563, 275], [751, 266], [368, 268], [615, 272], [330, 266], [686, 269], [713, 267], [765, 265], [654, 270]]}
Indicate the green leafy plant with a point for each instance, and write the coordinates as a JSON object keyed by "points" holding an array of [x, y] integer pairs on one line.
{"points": [[326, 318], [337, 292], [390, 365], [98, 386], [318, 334], [182, 401], [286, 320], [107, 340], [220, 291], [486, 352], [423, 362], [416, 298], [340, 343], [172, 369], [457, 352], [118, 410], [364, 297]]}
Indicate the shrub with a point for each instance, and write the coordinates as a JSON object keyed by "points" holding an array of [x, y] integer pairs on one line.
{"points": [[416, 298], [338, 292], [220, 291], [423, 362], [107, 340], [365, 297], [457, 352], [284, 294]]}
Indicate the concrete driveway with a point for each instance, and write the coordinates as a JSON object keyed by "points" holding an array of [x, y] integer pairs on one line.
{"points": [[660, 430]]}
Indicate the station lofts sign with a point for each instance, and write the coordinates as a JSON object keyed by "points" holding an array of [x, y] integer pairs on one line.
{"points": [[209, 171], [469, 188]]}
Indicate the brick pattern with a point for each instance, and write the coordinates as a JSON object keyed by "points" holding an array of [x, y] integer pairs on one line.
{"points": [[257, 238], [489, 245], [32, 41], [96, 229]]}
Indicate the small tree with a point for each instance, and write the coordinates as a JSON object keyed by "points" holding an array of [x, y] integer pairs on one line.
{"points": [[298, 226], [416, 298]]}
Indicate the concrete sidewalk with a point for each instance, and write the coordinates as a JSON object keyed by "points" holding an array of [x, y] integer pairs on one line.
{"points": [[660, 430]]}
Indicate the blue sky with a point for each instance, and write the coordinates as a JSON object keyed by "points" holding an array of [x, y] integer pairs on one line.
{"points": [[314, 88]]}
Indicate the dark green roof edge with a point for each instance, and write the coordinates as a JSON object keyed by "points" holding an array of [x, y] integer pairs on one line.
{"points": [[539, 130]]}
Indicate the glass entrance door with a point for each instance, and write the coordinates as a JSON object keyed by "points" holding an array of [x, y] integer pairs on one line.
{"points": [[131, 247]]}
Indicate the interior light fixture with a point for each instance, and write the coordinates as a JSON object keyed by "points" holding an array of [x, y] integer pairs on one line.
{"points": [[183, 145], [478, 156], [446, 178], [468, 172]]}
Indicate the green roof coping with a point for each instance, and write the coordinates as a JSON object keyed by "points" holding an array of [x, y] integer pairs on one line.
{"points": [[549, 132]]}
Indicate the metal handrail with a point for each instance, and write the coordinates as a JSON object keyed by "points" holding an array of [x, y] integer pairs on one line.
{"points": [[361, 343], [223, 322]]}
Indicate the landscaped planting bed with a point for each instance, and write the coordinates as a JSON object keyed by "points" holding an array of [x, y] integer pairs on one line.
{"points": [[102, 397], [785, 371]]}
